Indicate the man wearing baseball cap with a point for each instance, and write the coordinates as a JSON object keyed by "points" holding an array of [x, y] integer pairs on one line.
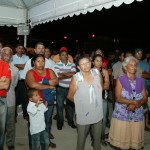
{"points": [[65, 70], [56, 57]]}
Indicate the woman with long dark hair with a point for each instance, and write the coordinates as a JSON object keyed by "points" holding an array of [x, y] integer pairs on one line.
{"points": [[97, 65]]}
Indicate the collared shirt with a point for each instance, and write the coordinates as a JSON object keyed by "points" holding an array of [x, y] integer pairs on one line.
{"points": [[48, 64], [20, 60], [37, 119], [4, 71], [62, 68], [11, 99]]}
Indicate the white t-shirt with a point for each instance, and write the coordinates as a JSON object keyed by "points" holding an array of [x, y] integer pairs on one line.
{"points": [[37, 119]]}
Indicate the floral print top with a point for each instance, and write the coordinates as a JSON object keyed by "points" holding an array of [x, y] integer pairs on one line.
{"points": [[120, 112]]}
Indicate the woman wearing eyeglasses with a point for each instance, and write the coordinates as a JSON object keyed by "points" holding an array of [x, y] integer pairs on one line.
{"points": [[86, 92], [127, 124]]}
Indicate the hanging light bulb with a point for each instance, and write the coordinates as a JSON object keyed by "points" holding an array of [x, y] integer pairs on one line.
{"points": [[65, 37], [93, 35]]}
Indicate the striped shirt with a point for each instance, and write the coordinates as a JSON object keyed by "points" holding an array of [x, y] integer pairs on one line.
{"points": [[62, 68]]}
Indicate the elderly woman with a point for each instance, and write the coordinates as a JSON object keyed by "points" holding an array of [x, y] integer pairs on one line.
{"points": [[127, 124], [86, 92], [35, 78]]}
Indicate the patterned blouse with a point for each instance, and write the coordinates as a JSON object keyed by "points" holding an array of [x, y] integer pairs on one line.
{"points": [[120, 112]]}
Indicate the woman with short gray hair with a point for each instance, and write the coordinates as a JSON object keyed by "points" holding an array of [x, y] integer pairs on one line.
{"points": [[127, 60], [127, 124]]}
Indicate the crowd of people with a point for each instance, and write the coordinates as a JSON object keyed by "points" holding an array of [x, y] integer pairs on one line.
{"points": [[85, 84]]}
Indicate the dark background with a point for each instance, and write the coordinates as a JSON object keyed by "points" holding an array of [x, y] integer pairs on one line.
{"points": [[123, 27]]}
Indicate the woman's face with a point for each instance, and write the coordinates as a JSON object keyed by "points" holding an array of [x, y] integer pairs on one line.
{"points": [[131, 67], [39, 63], [97, 62], [84, 65]]}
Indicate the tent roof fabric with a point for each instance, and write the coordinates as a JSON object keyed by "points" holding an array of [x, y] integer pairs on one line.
{"points": [[16, 12], [22, 4]]}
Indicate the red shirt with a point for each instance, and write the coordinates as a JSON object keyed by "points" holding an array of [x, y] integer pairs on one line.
{"points": [[4, 71], [38, 78], [105, 63]]}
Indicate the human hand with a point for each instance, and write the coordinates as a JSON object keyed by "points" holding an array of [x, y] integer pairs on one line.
{"points": [[46, 104], [139, 104], [134, 102], [37, 103], [131, 107], [52, 87], [40, 100], [3, 78]]}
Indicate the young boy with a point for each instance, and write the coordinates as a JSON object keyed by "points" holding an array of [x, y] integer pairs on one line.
{"points": [[36, 110]]}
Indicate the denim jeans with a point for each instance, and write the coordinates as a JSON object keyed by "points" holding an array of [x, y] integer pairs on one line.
{"points": [[105, 104], [29, 136], [48, 119], [48, 122], [61, 96], [40, 140], [3, 114]]}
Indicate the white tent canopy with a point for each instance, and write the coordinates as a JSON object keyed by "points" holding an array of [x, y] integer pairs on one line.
{"points": [[16, 12]]}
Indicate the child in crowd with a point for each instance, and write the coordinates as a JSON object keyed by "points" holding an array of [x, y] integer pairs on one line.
{"points": [[36, 109]]}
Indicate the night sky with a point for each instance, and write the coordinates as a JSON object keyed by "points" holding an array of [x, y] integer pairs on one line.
{"points": [[129, 24]]}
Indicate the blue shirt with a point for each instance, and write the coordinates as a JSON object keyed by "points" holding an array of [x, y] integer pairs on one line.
{"points": [[145, 67]]}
